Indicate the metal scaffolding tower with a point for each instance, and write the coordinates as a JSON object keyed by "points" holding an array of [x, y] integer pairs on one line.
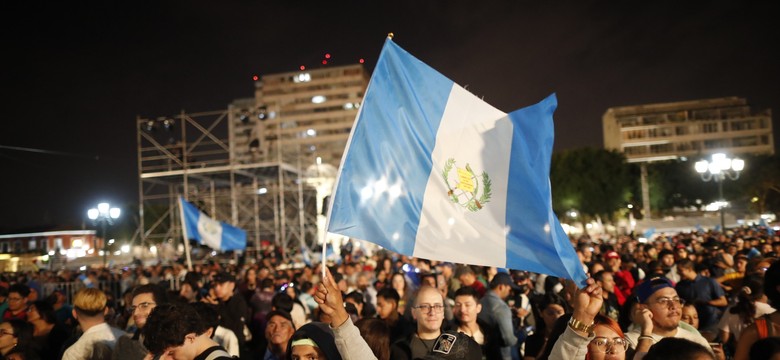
{"points": [[264, 164]]}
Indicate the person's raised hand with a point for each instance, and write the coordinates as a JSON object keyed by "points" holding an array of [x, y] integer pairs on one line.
{"points": [[586, 301], [643, 318], [329, 297]]}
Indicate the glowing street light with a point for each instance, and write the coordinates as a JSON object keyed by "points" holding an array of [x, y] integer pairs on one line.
{"points": [[719, 169], [105, 215]]}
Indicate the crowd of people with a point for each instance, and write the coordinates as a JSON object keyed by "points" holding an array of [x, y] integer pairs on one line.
{"points": [[707, 295]]}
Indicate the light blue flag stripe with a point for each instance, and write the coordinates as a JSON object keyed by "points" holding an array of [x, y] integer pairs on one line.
{"points": [[535, 241], [407, 121]]}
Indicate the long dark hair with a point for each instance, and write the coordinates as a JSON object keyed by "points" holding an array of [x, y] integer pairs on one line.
{"points": [[752, 290], [547, 300], [377, 336]]}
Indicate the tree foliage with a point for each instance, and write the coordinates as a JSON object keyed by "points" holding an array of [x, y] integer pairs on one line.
{"points": [[593, 181], [675, 184]]}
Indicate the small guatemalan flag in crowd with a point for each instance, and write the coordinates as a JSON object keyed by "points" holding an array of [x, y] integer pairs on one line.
{"points": [[215, 234], [432, 171]]}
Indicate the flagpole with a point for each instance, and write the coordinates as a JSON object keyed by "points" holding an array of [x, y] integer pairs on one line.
{"points": [[184, 234]]}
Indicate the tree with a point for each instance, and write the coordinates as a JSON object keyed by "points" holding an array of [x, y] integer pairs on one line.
{"points": [[760, 182], [594, 181]]}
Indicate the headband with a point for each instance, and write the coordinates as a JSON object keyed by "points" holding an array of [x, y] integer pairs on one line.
{"points": [[309, 342]]}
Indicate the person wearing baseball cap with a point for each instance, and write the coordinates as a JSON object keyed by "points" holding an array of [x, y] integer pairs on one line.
{"points": [[496, 313], [658, 316], [232, 308], [624, 280]]}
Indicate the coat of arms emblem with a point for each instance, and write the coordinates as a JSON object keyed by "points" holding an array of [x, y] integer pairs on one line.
{"points": [[470, 191]]}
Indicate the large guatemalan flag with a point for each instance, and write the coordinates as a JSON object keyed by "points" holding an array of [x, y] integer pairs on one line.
{"points": [[215, 234], [432, 171]]}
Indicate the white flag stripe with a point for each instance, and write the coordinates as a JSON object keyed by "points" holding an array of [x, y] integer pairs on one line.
{"points": [[469, 134]]}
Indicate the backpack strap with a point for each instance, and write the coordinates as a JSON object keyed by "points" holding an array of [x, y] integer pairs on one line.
{"points": [[217, 354]]}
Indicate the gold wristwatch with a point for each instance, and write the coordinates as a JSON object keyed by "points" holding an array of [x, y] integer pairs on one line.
{"points": [[580, 326]]}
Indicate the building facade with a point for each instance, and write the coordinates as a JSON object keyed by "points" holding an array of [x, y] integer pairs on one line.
{"points": [[665, 131], [21, 251]]}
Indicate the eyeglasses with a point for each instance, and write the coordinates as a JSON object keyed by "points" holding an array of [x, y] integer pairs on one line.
{"points": [[603, 344], [4, 332], [667, 301], [426, 308], [146, 305]]}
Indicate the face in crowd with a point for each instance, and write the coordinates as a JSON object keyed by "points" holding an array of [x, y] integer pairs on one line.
{"points": [[428, 310], [690, 315], [551, 313], [142, 307], [7, 337], [466, 309], [224, 290], [279, 331], [608, 344], [666, 307], [16, 302], [385, 307]]}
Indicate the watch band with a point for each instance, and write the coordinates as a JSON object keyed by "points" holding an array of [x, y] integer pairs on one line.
{"points": [[580, 326]]}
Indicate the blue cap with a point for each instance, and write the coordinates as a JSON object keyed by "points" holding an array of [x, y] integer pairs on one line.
{"points": [[648, 287]]}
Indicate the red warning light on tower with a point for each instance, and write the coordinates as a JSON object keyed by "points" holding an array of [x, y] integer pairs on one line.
{"points": [[327, 56], [362, 60], [324, 62], [302, 68], [255, 77]]}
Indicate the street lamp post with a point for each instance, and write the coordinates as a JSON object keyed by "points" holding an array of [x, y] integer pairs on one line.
{"points": [[105, 215], [719, 169]]}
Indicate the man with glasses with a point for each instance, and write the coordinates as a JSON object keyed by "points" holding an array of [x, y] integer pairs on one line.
{"points": [[145, 298], [496, 313], [428, 311], [17, 302], [658, 316]]}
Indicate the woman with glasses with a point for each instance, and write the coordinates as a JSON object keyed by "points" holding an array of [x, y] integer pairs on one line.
{"points": [[588, 334], [14, 334]]}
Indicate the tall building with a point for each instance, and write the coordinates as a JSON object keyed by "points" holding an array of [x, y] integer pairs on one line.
{"points": [[666, 131], [311, 112]]}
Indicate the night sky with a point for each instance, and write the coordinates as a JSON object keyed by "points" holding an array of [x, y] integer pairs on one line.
{"points": [[76, 74]]}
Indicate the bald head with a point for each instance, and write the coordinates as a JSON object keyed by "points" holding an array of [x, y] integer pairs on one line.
{"points": [[428, 293]]}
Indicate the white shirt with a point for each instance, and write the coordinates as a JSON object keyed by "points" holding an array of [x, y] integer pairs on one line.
{"points": [[731, 323], [82, 349], [684, 331], [227, 339]]}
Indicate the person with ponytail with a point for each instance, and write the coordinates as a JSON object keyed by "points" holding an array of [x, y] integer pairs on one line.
{"points": [[751, 304]]}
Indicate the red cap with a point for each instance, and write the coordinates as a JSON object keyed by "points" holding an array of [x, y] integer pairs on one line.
{"points": [[612, 255]]}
